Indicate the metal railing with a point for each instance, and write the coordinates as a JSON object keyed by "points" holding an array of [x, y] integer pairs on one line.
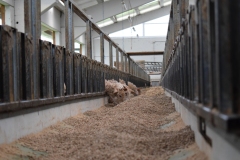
{"points": [[33, 72], [201, 60]]}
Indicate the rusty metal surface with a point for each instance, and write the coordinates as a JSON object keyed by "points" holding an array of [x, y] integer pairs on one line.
{"points": [[34, 72], [203, 58], [89, 39], [69, 27], [58, 70], [102, 47], [77, 70], [144, 53], [46, 70]]}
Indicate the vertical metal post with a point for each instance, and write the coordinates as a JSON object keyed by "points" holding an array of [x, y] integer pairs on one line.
{"points": [[110, 54], [69, 29], [228, 57], [77, 73], [122, 66], [205, 58], [126, 64], [102, 47], [58, 71], [69, 40], [129, 65], [117, 58], [9, 88], [32, 19], [46, 70], [89, 39]]}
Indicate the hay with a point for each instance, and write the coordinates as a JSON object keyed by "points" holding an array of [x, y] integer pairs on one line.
{"points": [[130, 130]]}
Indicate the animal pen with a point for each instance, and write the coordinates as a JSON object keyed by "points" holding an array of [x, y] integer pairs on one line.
{"points": [[201, 63], [200, 74], [34, 71]]}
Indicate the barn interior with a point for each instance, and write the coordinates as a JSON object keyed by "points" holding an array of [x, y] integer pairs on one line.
{"points": [[120, 79]]}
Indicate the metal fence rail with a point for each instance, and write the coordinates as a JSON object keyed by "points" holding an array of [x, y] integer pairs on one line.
{"points": [[201, 61], [33, 72]]}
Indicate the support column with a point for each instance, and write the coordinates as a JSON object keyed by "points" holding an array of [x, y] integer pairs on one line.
{"points": [[89, 39], [122, 65], [32, 20], [69, 29], [102, 47], [110, 55], [117, 58], [126, 64]]}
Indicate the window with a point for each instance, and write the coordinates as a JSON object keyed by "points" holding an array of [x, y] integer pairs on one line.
{"points": [[162, 20], [47, 34], [77, 47], [2, 14], [156, 29]]}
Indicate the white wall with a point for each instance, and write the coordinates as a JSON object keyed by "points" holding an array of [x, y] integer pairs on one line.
{"points": [[8, 2], [141, 44], [19, 16], [133, 45], [52, 18]]}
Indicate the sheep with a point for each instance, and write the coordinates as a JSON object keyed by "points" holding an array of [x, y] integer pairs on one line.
{"points": [[115, 91], [136, 91], [122, 81], [119, 91]]}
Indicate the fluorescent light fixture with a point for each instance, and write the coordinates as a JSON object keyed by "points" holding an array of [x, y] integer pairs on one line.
{"points": [[149, 9], [125, 15], [167, 3], [61, 2], [105, 22]]}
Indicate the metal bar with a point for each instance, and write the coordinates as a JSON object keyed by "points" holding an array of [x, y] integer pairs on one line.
{"points": [[58, 70], [68, 57], [89, 39], [32, 14], [84, 74], [144, 53], [9, 88], [20, 53], [27, 58], [77, 70], [126, 64], [122, 63], [110, 54], [89, 75], [102, 47], [117, 58], [46, 68], [69, 27], [204, 54], [227, 22]]}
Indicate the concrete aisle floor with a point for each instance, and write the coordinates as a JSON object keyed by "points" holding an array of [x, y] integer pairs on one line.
{"points": [[143, 127]]}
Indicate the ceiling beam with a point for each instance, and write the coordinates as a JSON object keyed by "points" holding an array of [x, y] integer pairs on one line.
{"points": [[136, 20], [144, 53], [111, 8]]}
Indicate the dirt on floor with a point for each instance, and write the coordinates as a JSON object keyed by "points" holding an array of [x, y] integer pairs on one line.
{"points": [[144, 127]]}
